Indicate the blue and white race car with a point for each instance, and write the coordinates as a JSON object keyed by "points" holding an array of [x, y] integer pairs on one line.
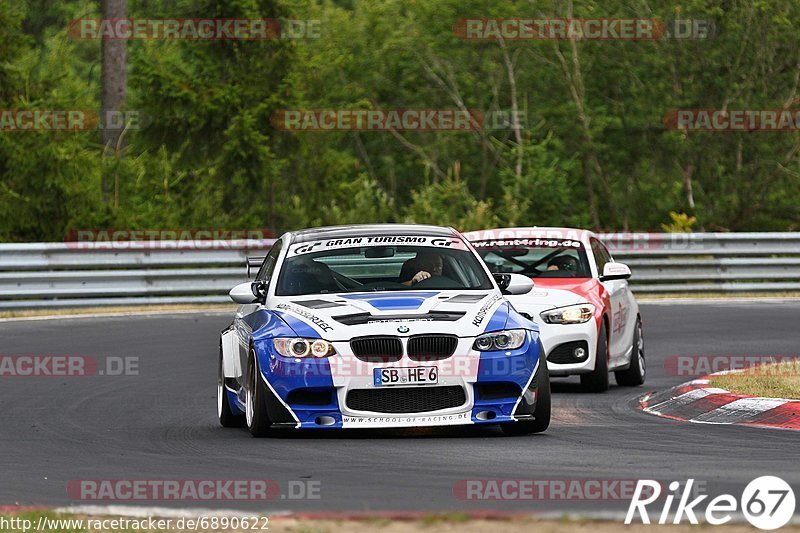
{"points": [[380, 326]]}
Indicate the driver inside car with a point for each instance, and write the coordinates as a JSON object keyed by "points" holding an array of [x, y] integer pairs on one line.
{"points": [[563, 262], [306, 275], [425, 265]]}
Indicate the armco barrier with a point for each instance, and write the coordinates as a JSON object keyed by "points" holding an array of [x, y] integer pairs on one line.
{"points": [[35, 275], [709, 262]]}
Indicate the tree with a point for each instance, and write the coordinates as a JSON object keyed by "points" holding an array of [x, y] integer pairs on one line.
{"points": [[114, 90]]}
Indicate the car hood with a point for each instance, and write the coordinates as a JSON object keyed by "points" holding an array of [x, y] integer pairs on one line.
{"points": [[343, 316], [549, 293]]}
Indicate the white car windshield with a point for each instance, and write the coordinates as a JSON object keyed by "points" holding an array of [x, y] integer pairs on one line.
{"points": [[379, 268], [536, 258]]}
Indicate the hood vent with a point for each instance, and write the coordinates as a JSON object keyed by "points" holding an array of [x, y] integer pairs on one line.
{"points": [[317, 304], [367, 318], [466, 298]]}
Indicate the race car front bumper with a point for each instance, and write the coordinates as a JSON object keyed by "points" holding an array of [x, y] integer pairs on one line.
{"points": [[342, 391], [561, 342]]}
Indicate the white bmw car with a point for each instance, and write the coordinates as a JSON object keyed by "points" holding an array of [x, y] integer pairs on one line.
{"points": [[380, 326], [588, 317]]}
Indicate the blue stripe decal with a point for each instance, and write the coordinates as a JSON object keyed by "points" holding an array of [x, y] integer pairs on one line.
{"points": [[310, 374], [233, 401], [498, 367], [499, 319], [404, 301], [300, 327]]}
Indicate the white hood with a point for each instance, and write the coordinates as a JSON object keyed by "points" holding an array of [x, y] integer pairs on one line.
{"points": [[340, 317], [543, 298]]}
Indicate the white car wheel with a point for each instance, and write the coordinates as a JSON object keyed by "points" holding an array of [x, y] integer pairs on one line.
{"points": [[226, 416], [636, 373]]}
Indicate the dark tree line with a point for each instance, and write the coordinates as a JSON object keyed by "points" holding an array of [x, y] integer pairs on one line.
{"points": [[591, 148]]}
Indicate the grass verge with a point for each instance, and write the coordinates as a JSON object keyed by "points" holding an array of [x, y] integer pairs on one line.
{"points": [[779, 380]]}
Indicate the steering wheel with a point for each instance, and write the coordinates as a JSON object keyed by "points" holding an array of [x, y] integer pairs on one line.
{"points": [[382, 285], [438, 282]]}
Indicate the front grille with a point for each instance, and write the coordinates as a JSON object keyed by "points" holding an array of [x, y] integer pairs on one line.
{"points": [[406, 399], [564, 353], [377, 349], [431, 347]]}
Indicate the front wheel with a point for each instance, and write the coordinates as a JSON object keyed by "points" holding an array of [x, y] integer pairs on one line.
{"points": [[541, 413], [636, 373], [597, 379], [256, 404]]}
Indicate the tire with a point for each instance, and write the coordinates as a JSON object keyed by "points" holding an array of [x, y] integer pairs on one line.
{"points": [[636, 373], [227, 418], [597, 379], [256, 418], [541, 413]]}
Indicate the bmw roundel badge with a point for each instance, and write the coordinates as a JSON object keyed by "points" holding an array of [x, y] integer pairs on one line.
{"points": [[403, 329]]}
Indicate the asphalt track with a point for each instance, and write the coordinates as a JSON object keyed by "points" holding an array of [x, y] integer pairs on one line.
{"points": [[161, 423]]}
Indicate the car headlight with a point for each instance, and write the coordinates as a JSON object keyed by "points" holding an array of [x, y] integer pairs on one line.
{"points": [[572, 314], [500, 340], [297, 347]]}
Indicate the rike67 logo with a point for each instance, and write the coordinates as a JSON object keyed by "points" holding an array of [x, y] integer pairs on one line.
{"points": [[767, 503]]}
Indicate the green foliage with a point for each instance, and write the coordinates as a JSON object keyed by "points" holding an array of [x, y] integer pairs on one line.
{"points": [[679, 223], [592, 134], [449, 203], [360, 201], [542, 195]]}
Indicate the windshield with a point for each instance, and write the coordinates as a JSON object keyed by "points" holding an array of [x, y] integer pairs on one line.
{"points": [[542, 258], [315, 268]]}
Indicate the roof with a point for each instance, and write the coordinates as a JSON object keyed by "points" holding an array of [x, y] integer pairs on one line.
{"points": [[360, 230]]}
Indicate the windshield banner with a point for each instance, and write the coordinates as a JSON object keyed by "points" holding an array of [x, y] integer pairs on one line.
{"points": [[382, 240]]}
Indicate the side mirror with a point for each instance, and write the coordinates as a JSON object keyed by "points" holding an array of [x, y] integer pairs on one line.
{"points": [[612, 271], [249, 292], [514, 283]]}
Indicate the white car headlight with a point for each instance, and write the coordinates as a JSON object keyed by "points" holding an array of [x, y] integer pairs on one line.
{"points": [[571, 314], [297, 347], [510, 339]]}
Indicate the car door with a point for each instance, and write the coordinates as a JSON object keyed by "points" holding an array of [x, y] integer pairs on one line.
{"points": [[240, 323], [618, 314]]}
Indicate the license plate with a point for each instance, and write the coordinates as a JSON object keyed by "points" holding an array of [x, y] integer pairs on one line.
{"points": [[419, 375]]}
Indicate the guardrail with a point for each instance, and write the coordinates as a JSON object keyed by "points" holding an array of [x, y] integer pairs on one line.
{"points": [[36, 275], [709, 262]]}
